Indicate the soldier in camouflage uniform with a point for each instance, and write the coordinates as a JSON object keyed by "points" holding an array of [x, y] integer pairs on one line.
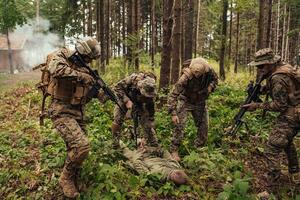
{"points": [[69, 86], [189, 95], [145, 160], [136, 93], [284, 89]]}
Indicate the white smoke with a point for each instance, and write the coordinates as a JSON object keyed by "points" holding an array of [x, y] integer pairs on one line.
{"points": [[39, 42]]}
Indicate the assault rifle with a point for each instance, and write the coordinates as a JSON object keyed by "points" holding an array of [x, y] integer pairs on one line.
{"points": [[100, 84], [135, 115], [253, 96]]}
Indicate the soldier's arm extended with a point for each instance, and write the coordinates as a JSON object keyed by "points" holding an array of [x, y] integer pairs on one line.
{"points": [[280, 94], [122, 86], [178, 89]]}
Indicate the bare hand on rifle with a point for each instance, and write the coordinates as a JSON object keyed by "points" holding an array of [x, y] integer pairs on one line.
{"points": [[129, 105], [175, 119], [251, 106]]}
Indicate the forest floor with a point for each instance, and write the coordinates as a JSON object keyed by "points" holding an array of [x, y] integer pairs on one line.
{"points": [[229, 167], [8, 81]]}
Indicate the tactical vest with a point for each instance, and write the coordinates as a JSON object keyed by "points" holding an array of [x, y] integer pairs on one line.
{"points": [[68, 90], [294, 89], [196, 89]]}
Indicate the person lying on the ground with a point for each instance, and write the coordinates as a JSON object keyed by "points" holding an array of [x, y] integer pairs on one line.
{"points": [[147, 160]]}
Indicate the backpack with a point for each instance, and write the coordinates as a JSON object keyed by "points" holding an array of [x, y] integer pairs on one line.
{"points": [[43, 85], [294, 74]]}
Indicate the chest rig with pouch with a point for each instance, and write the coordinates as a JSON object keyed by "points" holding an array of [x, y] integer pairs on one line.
{"points": [[67, 90]]}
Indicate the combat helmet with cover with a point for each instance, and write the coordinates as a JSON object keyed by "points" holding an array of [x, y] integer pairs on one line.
{"points": [[89, 47], [147, 87], [197, 67]]}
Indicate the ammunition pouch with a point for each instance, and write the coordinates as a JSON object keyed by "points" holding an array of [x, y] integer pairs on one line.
{"points": [[68, 91]]}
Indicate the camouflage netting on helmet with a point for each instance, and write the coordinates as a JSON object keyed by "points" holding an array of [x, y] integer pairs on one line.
{"points": [[265, 56]]}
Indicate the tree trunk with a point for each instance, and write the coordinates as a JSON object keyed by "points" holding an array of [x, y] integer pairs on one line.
{"points": [[166, 44], [262, 25], [188, 30], [124, 28], [237, 42], [11, 67], [176, 44], [277, 28], [223, 41], [107, 29], [198, 28], [153, 34], [136, 32], [129, 31], [102, 36], [269, 22], [230, 36], [294, 35], [84, 18], [283, 32], [286, 55], [90, 18]]}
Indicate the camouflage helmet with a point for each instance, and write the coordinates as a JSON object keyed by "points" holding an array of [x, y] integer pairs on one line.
{"points": [[265, 56], [89, 47], [147, 87], [199, 66]]}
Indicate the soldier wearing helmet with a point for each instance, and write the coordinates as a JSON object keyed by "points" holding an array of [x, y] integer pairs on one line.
{"points": [[284, 88], [137, 93], [189, 95], [69, 88]]}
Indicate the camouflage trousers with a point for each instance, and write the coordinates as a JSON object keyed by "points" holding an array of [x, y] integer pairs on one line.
{"points": [[68, 121], [281, 139], [73, 133], [200, 116], [145, 120]]}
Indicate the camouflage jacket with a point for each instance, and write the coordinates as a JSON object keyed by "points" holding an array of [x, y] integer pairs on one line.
{"points": [[144, 161], [191, 89], [280, 88], [127, 89], [61, 67]]}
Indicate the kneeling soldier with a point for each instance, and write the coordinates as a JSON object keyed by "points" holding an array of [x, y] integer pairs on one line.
{"points": [[136, 93], [189, 95]]}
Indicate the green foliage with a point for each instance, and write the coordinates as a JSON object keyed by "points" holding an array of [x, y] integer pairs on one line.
{"points": [[238, 190], [10, 15]]}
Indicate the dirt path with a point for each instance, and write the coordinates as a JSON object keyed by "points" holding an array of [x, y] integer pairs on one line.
{"points": [[8, 81]]}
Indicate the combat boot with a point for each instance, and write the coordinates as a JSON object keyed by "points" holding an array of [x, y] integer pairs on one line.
{"points": [[115, 129], [66, 181], [175, 156]]}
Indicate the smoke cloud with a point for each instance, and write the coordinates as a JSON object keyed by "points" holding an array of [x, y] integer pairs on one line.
{"points": [[39, 42]]}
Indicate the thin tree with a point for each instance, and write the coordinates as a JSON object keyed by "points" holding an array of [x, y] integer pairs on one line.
{"points": [[237, 42], [176, 44], [166, 44], [188, 33], [223, 40]]}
